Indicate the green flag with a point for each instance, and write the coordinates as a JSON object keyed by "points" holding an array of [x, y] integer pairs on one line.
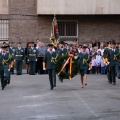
{"points": [[54, 33]]}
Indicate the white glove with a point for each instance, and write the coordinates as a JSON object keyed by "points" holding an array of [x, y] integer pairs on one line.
{"points": [[8, 69], [11, 66], [28, 59], [23, 60], [44, 68], [89, 69], [14, 60], [108, 63], [36, 59]]}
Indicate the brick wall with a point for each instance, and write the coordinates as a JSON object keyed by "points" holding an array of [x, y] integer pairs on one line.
{"points": [[26, 26]]}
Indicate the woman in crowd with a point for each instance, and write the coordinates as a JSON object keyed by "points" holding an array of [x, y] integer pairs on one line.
{"points": [[26, 58]]}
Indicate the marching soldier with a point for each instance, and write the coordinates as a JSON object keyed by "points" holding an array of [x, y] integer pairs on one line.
{"points": [[117, 58], [112, 64], [49, 64], [3, 49], [32, 58], [19, 58], [9, 60], [83, 63], [61, 51], [106, 57]]}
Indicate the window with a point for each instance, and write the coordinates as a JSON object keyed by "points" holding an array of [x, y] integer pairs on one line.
{"points": [[4, 27], [68, 29]]}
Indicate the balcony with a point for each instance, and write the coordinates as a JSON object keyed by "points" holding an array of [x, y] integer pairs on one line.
{"points": [[78, 7], [4, 7]]}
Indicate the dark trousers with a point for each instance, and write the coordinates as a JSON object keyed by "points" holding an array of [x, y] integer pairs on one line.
{"points": [[118, 70], [102, 70], [2, 78], [19, 67], [112, 74], [52, 77], [39, 65], [98, 69], [93, 69], [32, 67], [12, 70]]}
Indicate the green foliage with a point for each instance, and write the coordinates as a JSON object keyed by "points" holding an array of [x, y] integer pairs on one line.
{"points": [[59, 64]]}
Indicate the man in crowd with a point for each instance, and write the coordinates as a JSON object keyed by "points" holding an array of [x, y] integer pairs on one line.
{"points": [[41, 54]]}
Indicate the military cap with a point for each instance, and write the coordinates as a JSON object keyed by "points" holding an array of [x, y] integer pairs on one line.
{"points": [[62, 42], [7, 45], [50, 45], [109, 42], [4, 42], [84, 46], [3, 46], [113, 42]]}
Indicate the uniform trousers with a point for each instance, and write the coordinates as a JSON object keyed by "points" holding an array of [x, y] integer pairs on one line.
{"points": [[117, 67], [52, 77], [39, 65], [112, 74], [32, 67], [2, 78], [19, 67]]}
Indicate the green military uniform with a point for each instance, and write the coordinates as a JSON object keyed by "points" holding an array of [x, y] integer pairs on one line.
{"points": [[106, 55], [49, 59], [112, 67], [117, 59], [7, 58], [32, 58], [83, 61], [12, 53], [19, 58], [62, 52], [2, 72]]}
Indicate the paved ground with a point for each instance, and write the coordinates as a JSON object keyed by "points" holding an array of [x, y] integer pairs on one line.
{"points": [[29, 98]]}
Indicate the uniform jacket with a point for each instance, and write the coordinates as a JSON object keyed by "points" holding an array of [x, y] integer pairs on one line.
{"points": [[117, 54], [6, 58], [19, 54], [83, 60], [32, 54], [49, 59], [61, 52], [1, 59]]}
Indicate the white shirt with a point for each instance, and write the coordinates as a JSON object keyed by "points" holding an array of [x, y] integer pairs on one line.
{"points": [[98, 59], [52, 50], [101, 50]]}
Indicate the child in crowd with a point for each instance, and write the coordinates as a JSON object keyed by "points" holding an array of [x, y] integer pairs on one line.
{"points": [[93, 62], [102, 66], [98, 61]]}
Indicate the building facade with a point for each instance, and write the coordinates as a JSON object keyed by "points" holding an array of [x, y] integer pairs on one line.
{"points": [[28, 20]]}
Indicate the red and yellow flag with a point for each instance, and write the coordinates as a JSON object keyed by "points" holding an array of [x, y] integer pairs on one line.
{"points": [[54, 32]]}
